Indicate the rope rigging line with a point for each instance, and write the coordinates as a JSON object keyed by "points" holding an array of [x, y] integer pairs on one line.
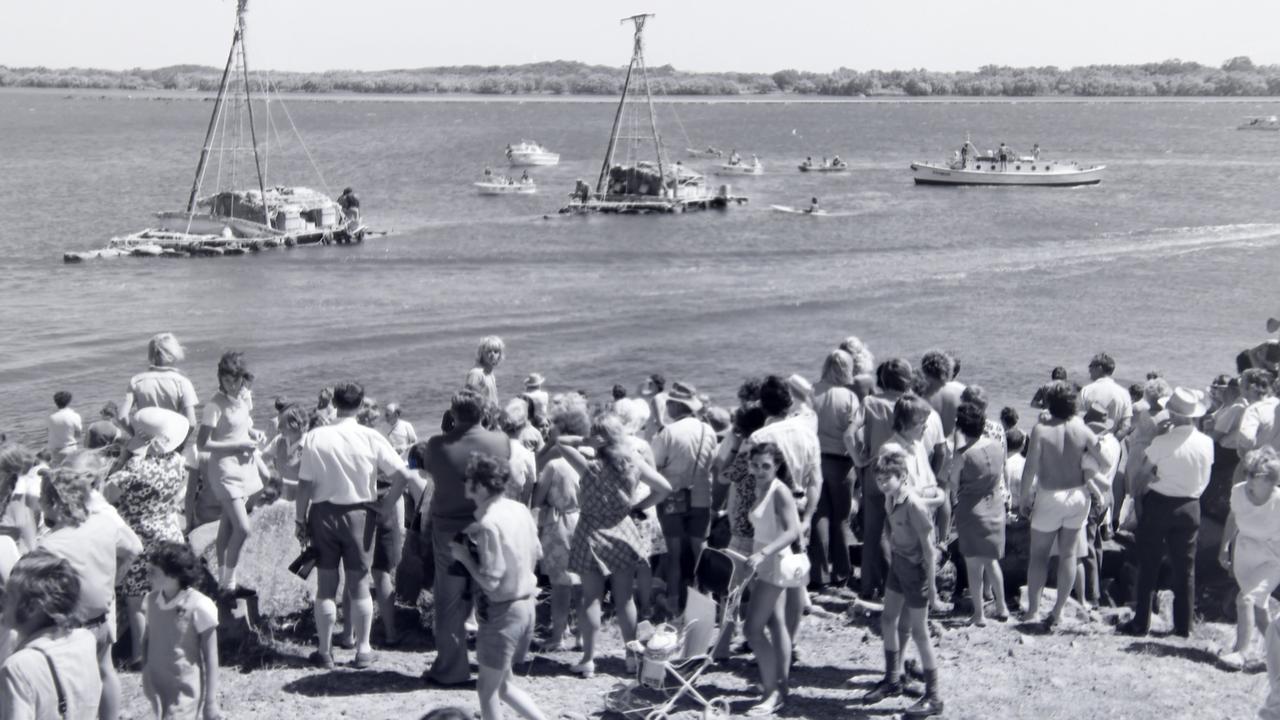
{"points": [[303, 144]]}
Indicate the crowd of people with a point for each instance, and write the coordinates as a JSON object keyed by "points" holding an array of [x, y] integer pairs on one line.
{"points": [[865, 484]]}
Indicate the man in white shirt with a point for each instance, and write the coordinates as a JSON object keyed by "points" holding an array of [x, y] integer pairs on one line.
{"points": [[684, 452], [337, 514], [64, 428], [1176, 473], [399, 432], [1107, 392]]}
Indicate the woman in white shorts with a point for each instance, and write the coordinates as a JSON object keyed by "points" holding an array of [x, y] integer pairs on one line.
{"points": [[1251, 546]]}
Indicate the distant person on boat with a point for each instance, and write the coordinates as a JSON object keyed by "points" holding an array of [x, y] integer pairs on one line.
{"points": [[1003, 153], [836, 161], [734, 158], [349, 203], [1035, 151], [808, 161], [813, 206], [524, 178], [582, 191]]}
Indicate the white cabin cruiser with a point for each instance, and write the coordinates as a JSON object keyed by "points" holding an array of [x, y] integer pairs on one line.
{"points": [[506, 186], [968, 167], [735, 166], [525, 153]]}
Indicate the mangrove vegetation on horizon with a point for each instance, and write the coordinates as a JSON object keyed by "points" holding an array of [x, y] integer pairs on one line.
{"points": [[1235, 78]]}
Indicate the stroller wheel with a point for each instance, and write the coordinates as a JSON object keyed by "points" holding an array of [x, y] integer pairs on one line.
{"points": [[717, 709]]}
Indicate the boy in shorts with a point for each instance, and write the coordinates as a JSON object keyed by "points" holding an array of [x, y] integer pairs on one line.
{"points": [[907, 590], [506, 550]]}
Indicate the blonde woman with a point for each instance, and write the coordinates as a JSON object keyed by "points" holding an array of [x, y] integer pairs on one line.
{"points": [[481, 378], [163, 385]]}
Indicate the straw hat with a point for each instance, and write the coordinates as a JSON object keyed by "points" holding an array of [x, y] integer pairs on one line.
{"points": [[686, 395], [164, 428], [1185, 403], [534, 381]]}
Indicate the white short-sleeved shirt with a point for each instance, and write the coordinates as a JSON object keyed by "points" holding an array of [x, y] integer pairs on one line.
{"points": [[26, 686], [1013, 467], [30, 483], [1107, 392], [684, 452], [64, 430], [204, 612], [1258, 426], [507, 538], [342, 462], [94, 549], [922, 475], [524, 469], [1183, 457], [161, 387], [1103, 474], [402, 436], [1257, 522], [799, 445]]}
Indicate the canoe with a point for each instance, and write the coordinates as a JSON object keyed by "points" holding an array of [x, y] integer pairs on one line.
{"points": [[798, 211]]}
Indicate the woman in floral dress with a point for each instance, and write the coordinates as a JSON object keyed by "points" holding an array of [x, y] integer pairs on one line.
{"points": [[607, 542], [148, 491]]}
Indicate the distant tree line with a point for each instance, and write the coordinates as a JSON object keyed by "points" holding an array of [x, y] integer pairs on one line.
{"points": [[1236, 77]]}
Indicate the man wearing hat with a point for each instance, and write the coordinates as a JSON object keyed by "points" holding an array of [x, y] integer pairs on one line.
{"points": [[1168, 491], [683, 453], [533, 390]]}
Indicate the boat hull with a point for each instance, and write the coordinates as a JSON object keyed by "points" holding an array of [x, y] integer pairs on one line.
{"points": [[505, 188], [1052, 176], [206, 224], [747, 170], [533, 159], [824, 169]]}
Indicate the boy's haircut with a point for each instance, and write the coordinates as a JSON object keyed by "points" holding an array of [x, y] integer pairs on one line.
{"points": [[281, 402], [1103, 362], [775, 396], [659, 382], [1058, 373], [975, 394], [62, 398], [748, 420], [348, 396], [749, 390], [1015, 439], [909, 411], [109, 410], [489, 472], [1060, 399], [779, 460], [892, 463], [895, 375], [1008, 417], [938, 365], [618, 392], [178, 561], [971, 419], [44, 583], [467, 407]]}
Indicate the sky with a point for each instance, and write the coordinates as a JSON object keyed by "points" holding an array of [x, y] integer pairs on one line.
{"points": [[701, 35]]}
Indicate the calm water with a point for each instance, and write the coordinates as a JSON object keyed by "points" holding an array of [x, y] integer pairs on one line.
{"points": [[1169, 264]]}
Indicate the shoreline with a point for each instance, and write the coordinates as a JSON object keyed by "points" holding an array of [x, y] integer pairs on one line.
{"points": [[769, 99]]}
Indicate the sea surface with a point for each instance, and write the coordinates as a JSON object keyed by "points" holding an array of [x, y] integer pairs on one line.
{"points": [[1169, 264]]}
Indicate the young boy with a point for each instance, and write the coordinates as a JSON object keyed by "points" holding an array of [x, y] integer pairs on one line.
{"points": [[64, 428], [911, 577], [507, 548]]}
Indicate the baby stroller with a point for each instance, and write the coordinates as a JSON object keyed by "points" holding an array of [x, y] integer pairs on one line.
{"points": [[669, 670]]}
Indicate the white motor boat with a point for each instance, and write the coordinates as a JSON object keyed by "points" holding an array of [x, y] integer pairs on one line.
{"points": [[1260, 122], [968, 167], [836, 165], [506, 186], [740, 168], [527, 153], [710, 152]]}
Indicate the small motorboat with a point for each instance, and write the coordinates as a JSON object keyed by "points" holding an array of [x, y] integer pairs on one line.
{"points": [[740, 168], [1260, 122], [787, 209], [531, 153], [969, 167], [836, 165], [710, 152], [506, 186]]}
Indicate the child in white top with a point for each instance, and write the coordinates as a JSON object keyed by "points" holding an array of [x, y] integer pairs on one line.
{"points": [[180, 673], [1253, 533]]}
